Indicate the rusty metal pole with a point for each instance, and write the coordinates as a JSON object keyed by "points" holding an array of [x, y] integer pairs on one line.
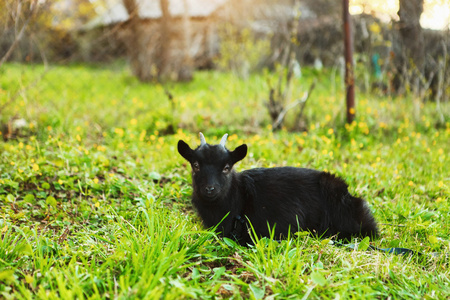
{"points": [[349, 77]]}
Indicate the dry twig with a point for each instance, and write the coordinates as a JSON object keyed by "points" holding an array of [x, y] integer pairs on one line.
{"points": [[33, 9]]}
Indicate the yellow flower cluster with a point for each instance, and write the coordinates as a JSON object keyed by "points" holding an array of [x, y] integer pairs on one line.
{"points": [[101, 148], [142, 135], [325, 139], [382, 125], [119, 131]]}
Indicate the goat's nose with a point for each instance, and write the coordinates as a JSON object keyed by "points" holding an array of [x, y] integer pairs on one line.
{"points": [[209, 189]]}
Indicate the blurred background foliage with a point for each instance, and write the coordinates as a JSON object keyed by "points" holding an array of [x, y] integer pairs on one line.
{"points": [[95, 94]]}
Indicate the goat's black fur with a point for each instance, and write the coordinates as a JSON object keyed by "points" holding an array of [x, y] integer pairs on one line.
{"points": [[287, 199]]}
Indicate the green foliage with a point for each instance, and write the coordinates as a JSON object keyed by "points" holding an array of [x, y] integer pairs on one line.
{"points": [[94, 199], [52, 26], [240, 51]]}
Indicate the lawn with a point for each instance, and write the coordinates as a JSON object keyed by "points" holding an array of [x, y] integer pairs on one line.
{"points": [[95, 200]]}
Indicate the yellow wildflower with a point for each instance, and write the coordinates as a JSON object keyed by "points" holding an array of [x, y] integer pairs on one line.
{"points": [[142, 135], [232, 137], [29, 279], [375, 28], [119, 131]]}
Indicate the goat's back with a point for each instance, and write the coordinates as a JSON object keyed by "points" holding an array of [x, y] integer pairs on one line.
{"points": [[303, 199]]}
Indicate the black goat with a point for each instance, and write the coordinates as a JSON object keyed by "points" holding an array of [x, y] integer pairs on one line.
{"points": [[286, 199]]}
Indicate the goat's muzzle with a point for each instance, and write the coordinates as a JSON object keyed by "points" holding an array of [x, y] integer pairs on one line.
{"points": [[210, 191]]}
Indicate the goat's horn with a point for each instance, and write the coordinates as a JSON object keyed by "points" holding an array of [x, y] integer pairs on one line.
{"points": [[202, 139], [224, 140]]}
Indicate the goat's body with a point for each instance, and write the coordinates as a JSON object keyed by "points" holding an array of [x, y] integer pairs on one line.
{"points": [[284, 199], [289, 199]]}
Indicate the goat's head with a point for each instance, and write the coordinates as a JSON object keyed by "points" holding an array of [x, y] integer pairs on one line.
{"points": [[211, 166]]}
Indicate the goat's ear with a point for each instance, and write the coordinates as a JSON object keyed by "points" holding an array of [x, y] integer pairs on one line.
{"points": [[239, 153], [185, 150]]}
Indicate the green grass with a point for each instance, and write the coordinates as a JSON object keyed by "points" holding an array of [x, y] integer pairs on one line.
{"points": [[95, 200]]}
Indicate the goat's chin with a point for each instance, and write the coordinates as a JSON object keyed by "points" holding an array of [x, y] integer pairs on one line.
{"points": [[210, 198]]}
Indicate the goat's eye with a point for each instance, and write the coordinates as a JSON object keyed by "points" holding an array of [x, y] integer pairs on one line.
{"points": [[226, 169], [196, 167]]}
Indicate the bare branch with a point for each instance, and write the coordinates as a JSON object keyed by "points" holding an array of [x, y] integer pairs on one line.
{"points": [[19, 36], [303, 100]]}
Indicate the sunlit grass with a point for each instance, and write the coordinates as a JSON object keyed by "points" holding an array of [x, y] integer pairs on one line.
{"points": [[95, 199]]}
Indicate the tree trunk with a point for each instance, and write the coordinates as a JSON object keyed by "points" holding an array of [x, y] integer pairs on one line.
{"points": [[133, 43], [186, 69], [147, 60], [163, 55], [349, 75], [411, 31], [150, 49], [410, 55]]}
